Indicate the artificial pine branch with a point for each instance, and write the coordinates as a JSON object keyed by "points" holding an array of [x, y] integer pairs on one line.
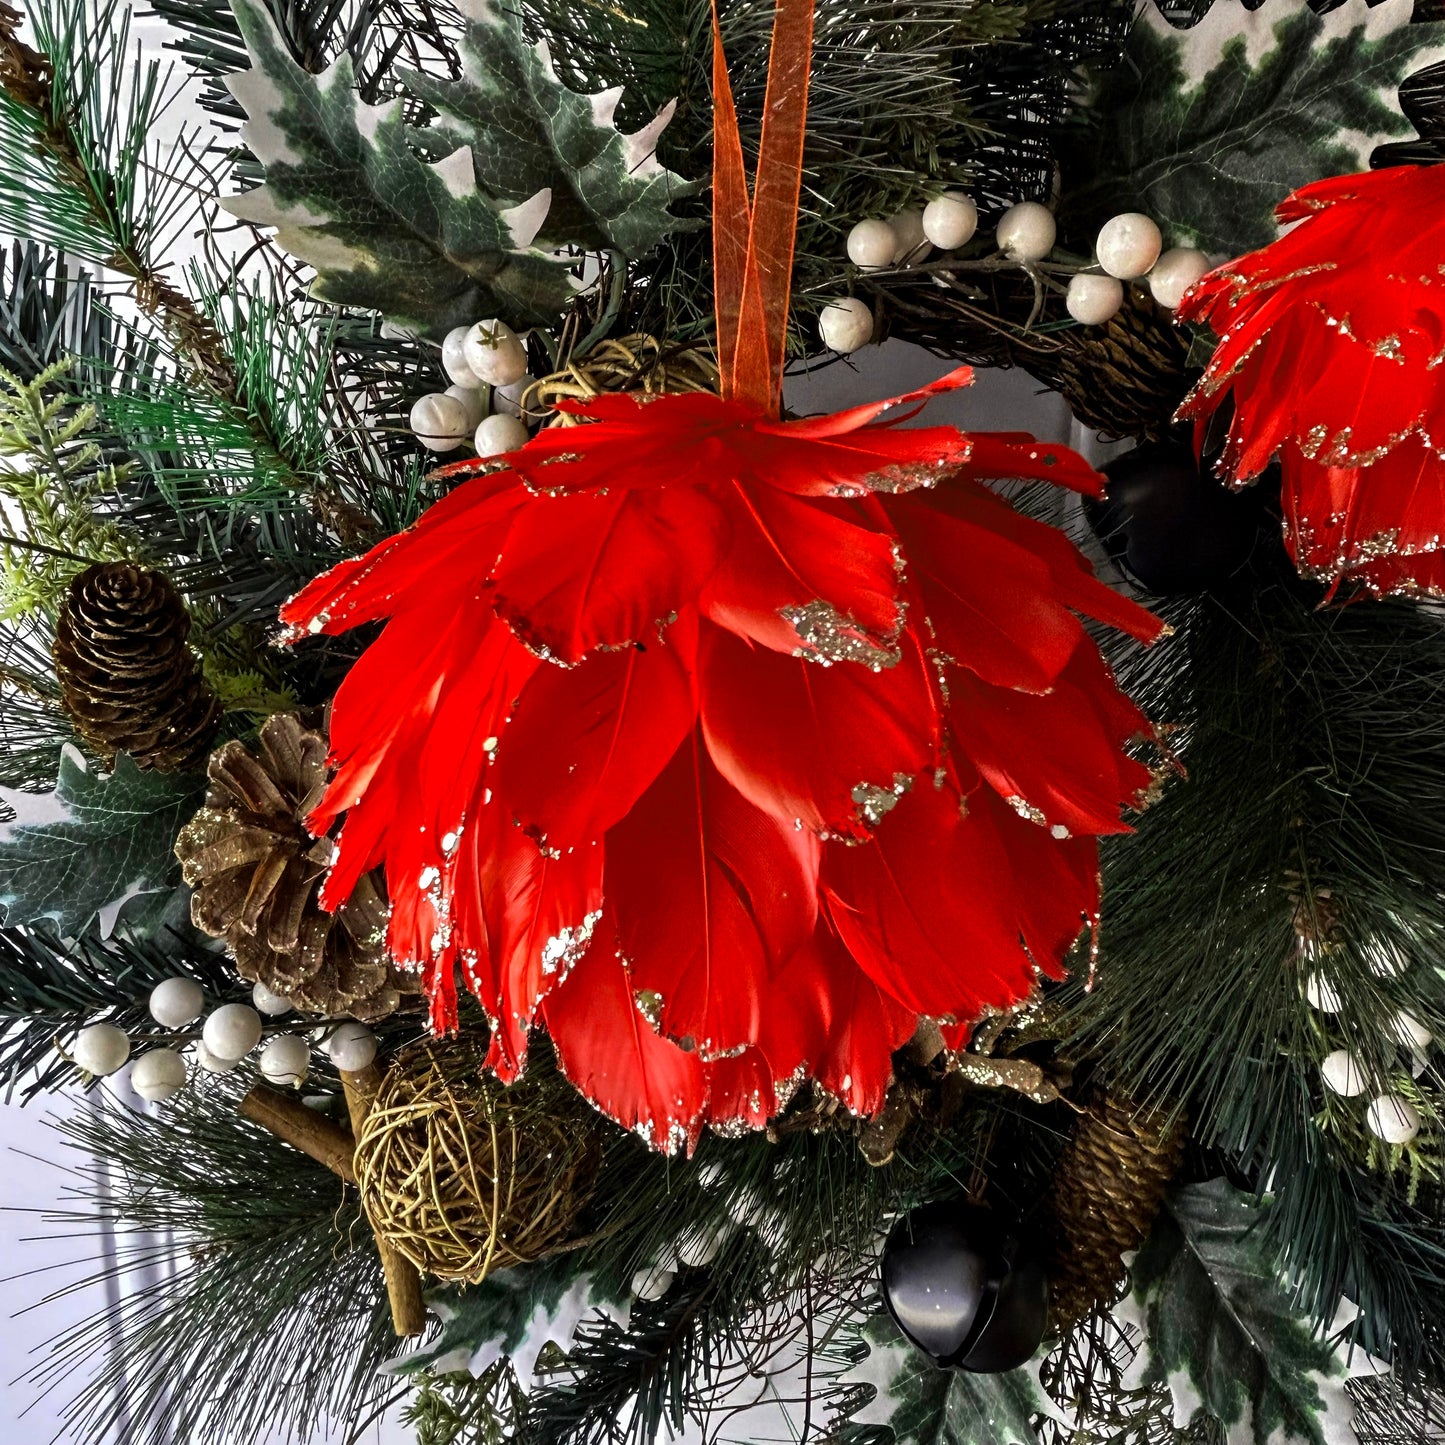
{"points": [[30, 80], [51, 91], [1315, 731], [263, 1299]]}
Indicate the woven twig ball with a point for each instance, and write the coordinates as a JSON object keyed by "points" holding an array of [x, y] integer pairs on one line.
{"points": [[463, 1175], [623, 363]]}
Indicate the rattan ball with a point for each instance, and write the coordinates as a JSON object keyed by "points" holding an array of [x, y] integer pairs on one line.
{"points": [[624, 363], [463, 1175]]}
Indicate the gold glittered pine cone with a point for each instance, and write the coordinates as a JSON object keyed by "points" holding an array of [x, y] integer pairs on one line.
{"points": [[1109, 1186], [127, 677], [257, 871]]}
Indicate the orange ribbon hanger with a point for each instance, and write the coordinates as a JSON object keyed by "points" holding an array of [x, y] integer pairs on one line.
{"points": [[753, 239]]}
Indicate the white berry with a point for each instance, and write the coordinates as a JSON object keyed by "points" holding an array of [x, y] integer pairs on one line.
{"points": [[846, 324], [1393, 1119], [211, 1063], [351, 1047], [176, 1002], [498, 434], [285, 1060], [1174, 273], [268, 1002], [232, 1031], [454, 360], [1385, 958], [908, 238], [157, 1075], [1406, 1029], [710, 1175], [494, 353], [652, 1284], [439, 422], [1092, 300], [700, 1247], [1128, 245], [1322, 994], [871, 244], [508, 398], [1026, 231], [100, 1049], [950, 220], [471, 399], [1344, 1074]]}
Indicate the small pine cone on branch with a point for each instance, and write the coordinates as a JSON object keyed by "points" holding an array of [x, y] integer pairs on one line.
{"points": [[127, 677], [1125, 378], [1109, 1186], [257, 871]]}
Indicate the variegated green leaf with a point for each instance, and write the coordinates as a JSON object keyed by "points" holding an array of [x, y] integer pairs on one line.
{"points": [[1221, 1331], [528, 132], [80, 853], [925, 1405], [1207, 129], [384, 228]]}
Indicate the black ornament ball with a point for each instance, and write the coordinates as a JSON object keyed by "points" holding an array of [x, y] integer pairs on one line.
{"points": [[1173, 525], [962, 1289]]}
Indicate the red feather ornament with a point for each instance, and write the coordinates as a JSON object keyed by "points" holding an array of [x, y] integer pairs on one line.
{"points": [[1332, 340], [727, 745]]}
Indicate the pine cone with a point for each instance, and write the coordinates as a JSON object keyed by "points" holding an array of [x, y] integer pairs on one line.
{"points": [[1125, 378], [127, 678], [1108, 1187], [256, 872]]}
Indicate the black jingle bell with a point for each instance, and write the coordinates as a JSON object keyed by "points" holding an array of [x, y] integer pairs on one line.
{"points": [[1173, 526], [962, 1290]]}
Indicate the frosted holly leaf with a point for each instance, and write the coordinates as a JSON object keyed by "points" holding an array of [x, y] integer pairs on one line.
{"points": [[924, 1404], [384, 227], [528, 132], [81, 852], [1221, 1331], [1208, 129], [514, 1312]]}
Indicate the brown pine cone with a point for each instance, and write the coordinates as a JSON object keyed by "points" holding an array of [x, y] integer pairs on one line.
{"points": [[1125, 378], [256, 872], [1109, 1185], [127, 677]]}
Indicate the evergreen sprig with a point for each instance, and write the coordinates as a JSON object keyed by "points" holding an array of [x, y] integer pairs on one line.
{"points": [[60, 486], [78, 115], [264, 1307]]}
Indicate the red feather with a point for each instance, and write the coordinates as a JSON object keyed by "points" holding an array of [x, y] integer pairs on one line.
{"points": [[1002, 618], [800, 739], [541, 913], [741, 891], [585, 743], [902, 909], [1330, 350], [606, 1047], [606, 568], [790, 553], [831, 1018], [1055, 757]]}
